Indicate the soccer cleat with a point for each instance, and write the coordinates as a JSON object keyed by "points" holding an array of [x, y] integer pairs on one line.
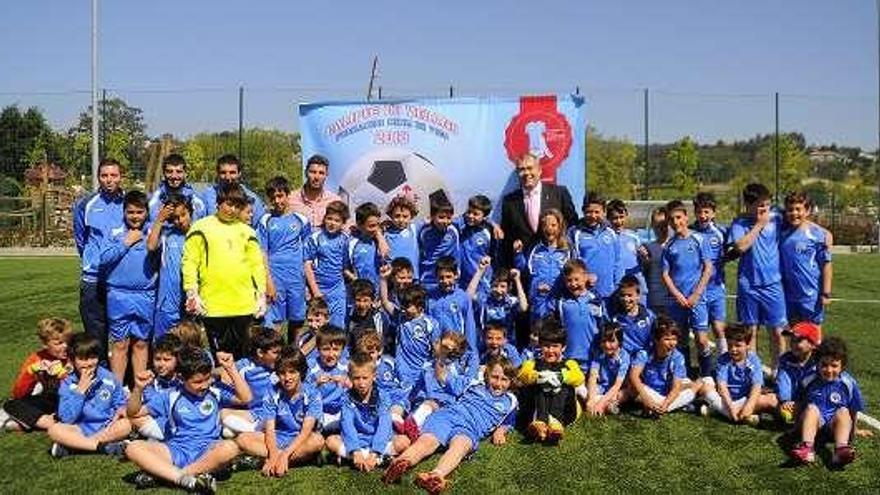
{"points": [[704, 411], [431, 482], [58, 451], [143, 480], [246, 463], [227, 433], [613, 409], [803, 453], [411, 429], [843, 455], [753, 420], [395, 471], [205, 484], [555, 430], [537, 431], [114, 449]]}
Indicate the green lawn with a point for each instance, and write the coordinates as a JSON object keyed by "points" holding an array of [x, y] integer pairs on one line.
{"points": [[622, 454]]}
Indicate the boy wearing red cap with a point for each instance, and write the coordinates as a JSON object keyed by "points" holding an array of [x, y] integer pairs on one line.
{"points": [[795, 365]]}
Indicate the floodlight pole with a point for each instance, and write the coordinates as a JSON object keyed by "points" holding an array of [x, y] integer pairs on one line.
{"points": [[95, 149], [877, 153]]}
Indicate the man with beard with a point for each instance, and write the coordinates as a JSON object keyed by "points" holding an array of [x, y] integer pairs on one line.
{"points": [[312, 199], [174, 182], [229, 171]]}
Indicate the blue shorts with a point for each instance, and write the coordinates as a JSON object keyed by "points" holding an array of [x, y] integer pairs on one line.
{"points": [[163, 322], [90, 428], [716, 306], [185, 451], [130, 314], [337, 302], [763, 305], [445, 425], [696, 318], [289, 304], [283, 439], [811, 311]]}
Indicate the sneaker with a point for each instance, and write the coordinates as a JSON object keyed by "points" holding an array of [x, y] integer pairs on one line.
{"points": [[205, 483], [753, 420], [113, 449], [843, 455], [246, 463], [411, 429], [704, 411], [537, 431], [555, 431], [58, 451], [431, 483], [227, 434], [395, 471], [143, 480], [803, 453], [612, 409]]}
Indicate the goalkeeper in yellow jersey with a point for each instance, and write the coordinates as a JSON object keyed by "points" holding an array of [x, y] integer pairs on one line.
{"points": [[549, 380], [224, 275]]}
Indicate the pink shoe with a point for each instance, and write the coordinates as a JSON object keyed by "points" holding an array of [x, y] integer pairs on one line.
{"points": [[843, 455], [803, 453]]}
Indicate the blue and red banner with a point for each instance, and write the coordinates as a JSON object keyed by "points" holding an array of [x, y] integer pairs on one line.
{"points": [[456, 147]]}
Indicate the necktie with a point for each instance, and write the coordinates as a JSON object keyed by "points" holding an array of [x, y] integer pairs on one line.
{"points": [[533, 209]]}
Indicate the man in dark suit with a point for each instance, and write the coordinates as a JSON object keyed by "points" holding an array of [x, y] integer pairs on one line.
{"points": [[521, 209]]}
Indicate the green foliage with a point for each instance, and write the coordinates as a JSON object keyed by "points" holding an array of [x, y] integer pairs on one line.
{"points": [[685, 160], [23, 138], [124, 137], [610, 165], [793, 165]]}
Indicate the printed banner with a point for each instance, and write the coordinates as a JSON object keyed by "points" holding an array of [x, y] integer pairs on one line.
{"points": [[455, 147]]}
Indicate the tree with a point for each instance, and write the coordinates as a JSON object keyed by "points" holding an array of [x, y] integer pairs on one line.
{"points": [[23, 136], [685, 161], [610, 164], [123, 132]]}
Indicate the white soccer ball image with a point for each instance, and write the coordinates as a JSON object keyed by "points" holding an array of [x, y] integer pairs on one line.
{"points": [[380, 175]]}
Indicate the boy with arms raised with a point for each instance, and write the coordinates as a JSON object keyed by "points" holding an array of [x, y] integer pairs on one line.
{"points": [[437, 239], [450, 305]]}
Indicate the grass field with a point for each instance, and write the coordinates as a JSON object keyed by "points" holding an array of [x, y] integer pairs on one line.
{"points": [[681, 453]]}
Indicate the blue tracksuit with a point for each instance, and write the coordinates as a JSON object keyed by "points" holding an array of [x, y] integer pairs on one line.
{"points": [[329, 255], [504, 310], [332, 393], [475, 415], [790, 375], [453, 311], [367, 425], [289, 412], [581, 317], [508, 351], [169, 297], [386, 379], [260, 378], [636, 329], [599, 247], [460, 373], [831, 396], [610, 368], [803, 253], [132, 275], [544, 266], [684, 259], [630, 264], [404, 244], [93, 215], [415, 340], [715, 238], [93, 410], [760, 299], [434, 244], [161, 193], [364, 259], [283, 238], [740, 377], [209, 197], [475, 243], [660, 374]]}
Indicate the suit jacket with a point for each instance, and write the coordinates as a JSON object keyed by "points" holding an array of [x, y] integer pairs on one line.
{"points": [[516, 225]]}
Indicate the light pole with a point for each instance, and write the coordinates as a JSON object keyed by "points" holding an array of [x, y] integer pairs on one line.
{"points": [[95, 149]]}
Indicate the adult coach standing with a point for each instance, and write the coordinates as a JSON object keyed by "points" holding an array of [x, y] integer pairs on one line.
{"points": [[311, 199], [521, 209], [94, 216], [229, 171], [174, 182]]}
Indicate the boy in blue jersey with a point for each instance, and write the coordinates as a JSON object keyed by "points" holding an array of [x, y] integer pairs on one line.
{"points": [[596, 243], [658, 377], [317, 316], [174, 184], [167, 236], [715, 238], [371, 344], [193, 447], [550, 381], [477, 242], [364, 315], [831, 403], [291, 414], [283, 235], [229, 172], [635, 320], [416, 335], [91, 405], [498, 304], [366, 439], [325, 257], [437, 239], [329, 375], [402, 232], [754, 237], [608, 371], [450, 305], [805, 262], [165, 354], [687, 267], [496, 344], [736, 391], [131, 276], [632, 251], [795, 365], [258, 371], [581, 312], [367, 248], [485, 409], [394, 278]]}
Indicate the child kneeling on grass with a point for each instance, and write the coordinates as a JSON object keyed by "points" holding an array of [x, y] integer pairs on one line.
{"points": [[486, 408], [291, 414], [91, 412], [192, 448]]}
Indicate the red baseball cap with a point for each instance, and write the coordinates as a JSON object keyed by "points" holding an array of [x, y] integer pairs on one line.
{"points": [[806, 330]]}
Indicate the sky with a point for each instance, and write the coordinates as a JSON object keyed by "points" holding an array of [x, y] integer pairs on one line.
{"points": [[712, 68]]}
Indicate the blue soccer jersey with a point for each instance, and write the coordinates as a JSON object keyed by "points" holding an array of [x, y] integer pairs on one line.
{"points": [[610, 368], [831, 396], [599, 248], [283, 239], [759, 265], [332, 392], [544, 266], [260, 378], [581, 317], [157, 199], [364, 259], [740, 377], [636, 329], [169, 297], [684, 259], [660, 374], [191, 419], [714, 238], [366, 426], [630, 264], [476, 242], [803, 253], [329, 255], [453, 311], [131, 275], [404, 243], [460, 373], [504, 309], [289, 412], [93, 216], [508, 351], [94, 409], [476, 415], [433, 245], [790, 376], [415, 341]]}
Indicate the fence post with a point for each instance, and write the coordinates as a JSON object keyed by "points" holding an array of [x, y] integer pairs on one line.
{"points": [[776, 154], [44, 225], [647, 158], [240, 122]]}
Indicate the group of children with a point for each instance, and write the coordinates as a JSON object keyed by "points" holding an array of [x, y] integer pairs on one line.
{"points": [[404, 337]]}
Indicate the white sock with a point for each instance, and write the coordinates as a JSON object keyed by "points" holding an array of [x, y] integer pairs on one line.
{"points": [[422, 413], [684, 398], [713, 399], [151, 430], [239, 424], [581, 391], [396, 418], [721, 343]]}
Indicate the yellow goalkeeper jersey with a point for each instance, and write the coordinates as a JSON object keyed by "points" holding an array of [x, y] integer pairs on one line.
{"points": [[224, 262]]}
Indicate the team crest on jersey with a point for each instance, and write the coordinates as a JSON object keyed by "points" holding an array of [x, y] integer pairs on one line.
{"points": [[387, 376], [453, 307], [835, 398], [206, 407], [104, 395], [607, 239], [801, 247], [419, 331], [117, 231], [642, 323], [480, 241], [299, 417], [499, 406], [714, 241]]}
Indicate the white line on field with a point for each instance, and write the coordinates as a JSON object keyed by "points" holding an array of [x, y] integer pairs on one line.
{"points": [[835, 299]]}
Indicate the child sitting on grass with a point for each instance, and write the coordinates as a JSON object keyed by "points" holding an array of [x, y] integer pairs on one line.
{"points": [[165, 354], [607, 372], [795, 365]]}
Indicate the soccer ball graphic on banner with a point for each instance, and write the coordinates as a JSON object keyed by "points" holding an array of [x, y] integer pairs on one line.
{"points": [[380, 175]]}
